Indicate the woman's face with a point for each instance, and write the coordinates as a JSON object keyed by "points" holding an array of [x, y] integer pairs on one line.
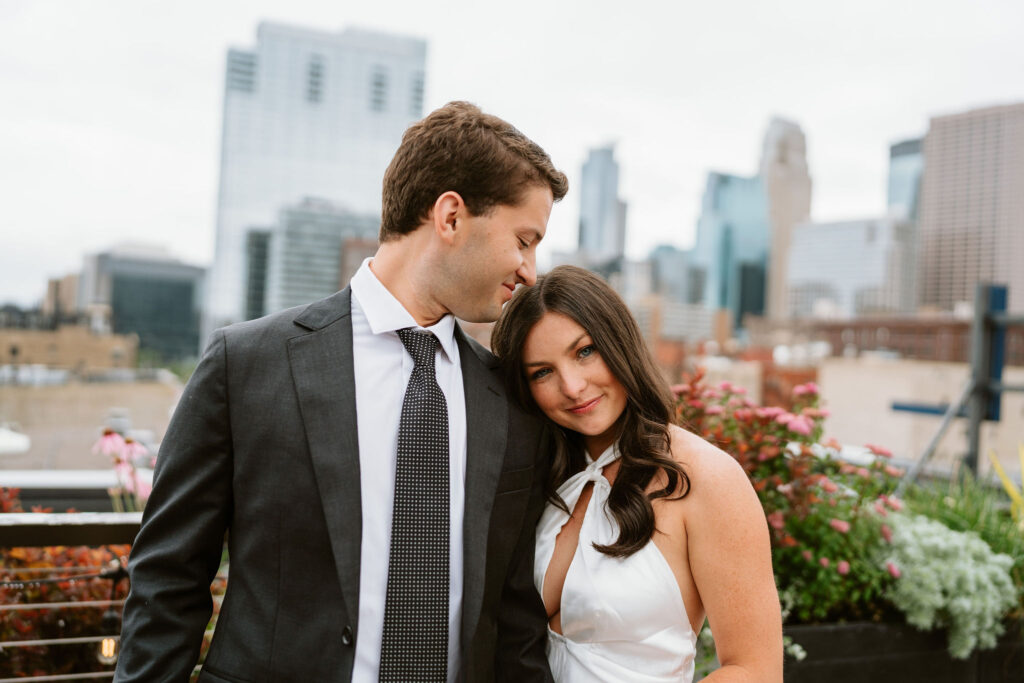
{"points": [[570, 381]]}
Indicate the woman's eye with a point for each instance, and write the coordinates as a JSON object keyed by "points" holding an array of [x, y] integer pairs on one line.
{"points": [[539, 374], [587, 351]]}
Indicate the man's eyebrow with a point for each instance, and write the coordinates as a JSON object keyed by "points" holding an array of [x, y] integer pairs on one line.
{"points": [[569, 348]]}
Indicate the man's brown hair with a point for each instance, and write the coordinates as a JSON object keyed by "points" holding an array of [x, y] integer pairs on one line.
{"points": [[459, 148]]}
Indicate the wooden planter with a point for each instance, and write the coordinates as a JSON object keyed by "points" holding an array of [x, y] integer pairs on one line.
{"points": [[879, 653]]}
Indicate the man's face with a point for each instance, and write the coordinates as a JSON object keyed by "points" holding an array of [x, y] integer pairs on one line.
{"points": [[495, 253]]}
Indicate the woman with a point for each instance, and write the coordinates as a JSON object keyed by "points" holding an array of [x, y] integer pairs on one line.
{"points": [[649, 528]]}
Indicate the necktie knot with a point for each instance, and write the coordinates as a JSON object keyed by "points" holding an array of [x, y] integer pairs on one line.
{"points": [[420, 345]]}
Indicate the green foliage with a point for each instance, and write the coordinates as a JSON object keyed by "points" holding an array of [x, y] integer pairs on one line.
{"points": [[826, 516], [966, 504], [949, 579]]}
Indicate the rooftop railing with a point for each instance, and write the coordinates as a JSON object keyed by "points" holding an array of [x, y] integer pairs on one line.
{"points": [[27, 530]]}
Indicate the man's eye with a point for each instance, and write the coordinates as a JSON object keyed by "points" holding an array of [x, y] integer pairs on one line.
{"points": [[523, 243]]}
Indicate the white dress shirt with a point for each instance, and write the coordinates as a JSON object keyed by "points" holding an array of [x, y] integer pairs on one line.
{"points": [[382, 371]]}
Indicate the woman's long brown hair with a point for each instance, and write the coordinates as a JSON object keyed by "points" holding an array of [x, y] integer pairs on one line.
{"points": [[644, 433]]}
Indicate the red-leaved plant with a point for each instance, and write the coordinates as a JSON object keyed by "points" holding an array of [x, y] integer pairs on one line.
{"points": [[826, 515]]}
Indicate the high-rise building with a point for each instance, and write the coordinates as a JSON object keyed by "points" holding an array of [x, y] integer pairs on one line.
{"points": [[602, 214], [147, 292], [906, 163], [971, 222], [257, 253], [851, 269], [787, 186], [306, 113], [669, 272], [304, 260], [731, 253]]}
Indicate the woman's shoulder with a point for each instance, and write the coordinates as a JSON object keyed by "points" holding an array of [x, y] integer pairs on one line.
{"points": [[712, 471]]}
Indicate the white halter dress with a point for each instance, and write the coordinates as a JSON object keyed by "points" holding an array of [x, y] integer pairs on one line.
{"points": [[623, 619]]}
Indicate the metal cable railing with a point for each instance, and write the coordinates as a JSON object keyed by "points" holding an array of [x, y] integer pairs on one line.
{"points": [[28, 530]]}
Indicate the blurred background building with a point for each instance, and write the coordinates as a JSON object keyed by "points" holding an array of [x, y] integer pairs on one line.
{"points": [[906, 163], [851, 268], [307, 113], [307, 248], [602, 235], [971, 225], [148, 292]]}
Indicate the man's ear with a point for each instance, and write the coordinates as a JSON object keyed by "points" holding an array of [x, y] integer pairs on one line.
{"points": [[448, 209]]}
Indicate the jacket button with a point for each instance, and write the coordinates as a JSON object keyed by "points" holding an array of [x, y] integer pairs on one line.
{"points": [[346, 635]]}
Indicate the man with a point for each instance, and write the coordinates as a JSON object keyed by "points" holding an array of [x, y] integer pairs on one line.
{"points": [[297, 430]]}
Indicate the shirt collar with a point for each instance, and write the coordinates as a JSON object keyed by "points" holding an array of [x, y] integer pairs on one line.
{"points": [[384, 313]]}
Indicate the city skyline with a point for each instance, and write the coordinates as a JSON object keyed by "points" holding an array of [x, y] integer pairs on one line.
{"points": [[111, 126]]}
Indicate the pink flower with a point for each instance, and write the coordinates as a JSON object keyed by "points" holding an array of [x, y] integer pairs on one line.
{"points": [[678, 389], [892, 502], [805, 389], [126, 476], [894, 472], [725, 386], [770, 411], [887, 533], [776, 520], [145, 488], [111, 443], [800, 425], [880, 508], [863, 472], [843, 567], [893, 570], [878, 450], [785, 489], [824, 562], [133, 449], [807, 555], [840, 525], [714, 410], [829, 486], [784, 418]]}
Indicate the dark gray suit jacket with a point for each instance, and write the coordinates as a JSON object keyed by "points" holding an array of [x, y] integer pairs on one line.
{"points": [[264, 444]]}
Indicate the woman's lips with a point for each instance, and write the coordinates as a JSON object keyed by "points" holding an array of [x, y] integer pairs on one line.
{"points": [[584, 408]]}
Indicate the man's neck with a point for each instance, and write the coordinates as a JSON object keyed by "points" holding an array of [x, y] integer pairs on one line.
{"points": [[399, 266]]}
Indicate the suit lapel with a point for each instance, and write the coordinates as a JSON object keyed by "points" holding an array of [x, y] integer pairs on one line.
{"points": [[324, 377], [486, 436]]}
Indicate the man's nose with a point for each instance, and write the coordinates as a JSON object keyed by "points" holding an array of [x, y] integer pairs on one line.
{"points": [[527, 271]]}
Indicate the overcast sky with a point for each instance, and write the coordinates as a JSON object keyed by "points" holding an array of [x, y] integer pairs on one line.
{"points": [[110, 111]]}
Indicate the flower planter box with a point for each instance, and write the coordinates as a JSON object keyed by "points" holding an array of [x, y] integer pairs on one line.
{"points": [[857, 652]]}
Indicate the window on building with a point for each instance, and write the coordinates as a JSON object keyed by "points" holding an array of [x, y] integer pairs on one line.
{"points": [[379, 88], [241, 74], [416, 98], [315, 79]]}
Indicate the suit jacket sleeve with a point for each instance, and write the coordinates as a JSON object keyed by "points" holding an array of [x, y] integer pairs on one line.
{"points": [[522, 622], [178, 549]]}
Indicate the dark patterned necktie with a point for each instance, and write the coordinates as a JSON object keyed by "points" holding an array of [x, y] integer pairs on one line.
{"points": [[415, 643]]}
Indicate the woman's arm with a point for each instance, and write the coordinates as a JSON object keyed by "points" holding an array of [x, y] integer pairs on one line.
{"points": [[730, 560]]}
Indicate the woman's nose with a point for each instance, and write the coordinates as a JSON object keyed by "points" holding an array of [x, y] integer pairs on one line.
{"points": [[573, 384]]}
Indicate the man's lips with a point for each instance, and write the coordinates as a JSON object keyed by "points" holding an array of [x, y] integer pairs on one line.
{"points": [[511, 289], [584, 408]]}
